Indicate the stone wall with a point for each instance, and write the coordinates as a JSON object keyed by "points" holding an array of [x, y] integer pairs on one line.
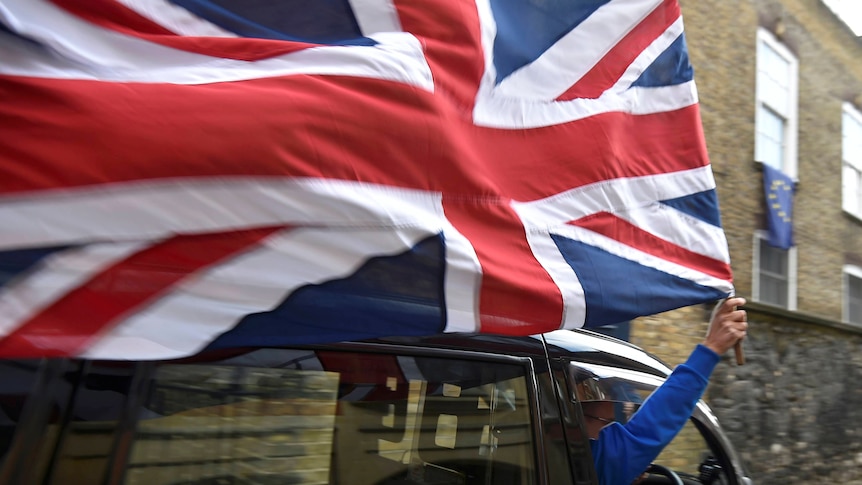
{"points": [[794, 408]]}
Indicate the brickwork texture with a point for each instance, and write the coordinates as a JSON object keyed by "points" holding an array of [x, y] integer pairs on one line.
{"points": [[794, 409]]}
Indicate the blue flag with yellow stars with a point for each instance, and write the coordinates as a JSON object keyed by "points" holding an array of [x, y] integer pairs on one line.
{"points": [[779, 207]]}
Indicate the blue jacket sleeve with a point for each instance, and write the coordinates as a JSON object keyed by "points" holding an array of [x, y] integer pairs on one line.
{"points": [[622, 452]]}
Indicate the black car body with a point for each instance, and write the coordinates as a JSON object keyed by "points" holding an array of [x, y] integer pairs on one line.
{"points": [[448, 409]]}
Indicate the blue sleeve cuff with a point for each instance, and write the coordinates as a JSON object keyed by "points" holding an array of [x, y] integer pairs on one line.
{"points": [[703, 361]]}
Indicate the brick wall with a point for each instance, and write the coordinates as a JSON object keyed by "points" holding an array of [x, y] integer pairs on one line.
{"points": [[792, 409]]}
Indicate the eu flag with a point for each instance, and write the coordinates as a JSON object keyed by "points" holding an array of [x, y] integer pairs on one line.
{"points": [[779, 207]]}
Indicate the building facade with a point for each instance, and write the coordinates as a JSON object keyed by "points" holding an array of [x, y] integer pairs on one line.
{"points": [[780, 88]]}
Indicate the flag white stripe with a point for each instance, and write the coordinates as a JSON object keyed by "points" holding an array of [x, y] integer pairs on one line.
{"points": [[176, 19], [567, 280], [572, 291], [569, 59], [549, 256], [488, 30], [157, 209], [648, 56], [636, 200], [496, 111], [375, 16], [614, 195], [54, 277], [645, 259], [681, 229], [525, 108], [87, 51], [213, 301], [463, 281]]}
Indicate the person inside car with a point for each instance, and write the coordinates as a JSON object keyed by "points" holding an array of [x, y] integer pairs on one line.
{"points": [[622, 452]]}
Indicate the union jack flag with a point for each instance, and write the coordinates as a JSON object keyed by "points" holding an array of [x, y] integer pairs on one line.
{"points": [[177, 175]]}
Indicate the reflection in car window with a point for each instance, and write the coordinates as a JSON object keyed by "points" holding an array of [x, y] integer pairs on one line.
{"points": [[19, 377], [334, 417], [88, 431]]}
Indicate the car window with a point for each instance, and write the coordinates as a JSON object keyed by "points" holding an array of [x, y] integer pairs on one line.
{"points": [[611, 394], [334, 417], [35, 397], [19, 379], [94, 423], [289, 416], [690, 456]]}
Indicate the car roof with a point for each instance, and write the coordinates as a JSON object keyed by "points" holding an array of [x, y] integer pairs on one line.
{"points": [[578, 345]]}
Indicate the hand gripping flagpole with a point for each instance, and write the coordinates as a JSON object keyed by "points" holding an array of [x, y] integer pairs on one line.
{"points": [[737, 347]]}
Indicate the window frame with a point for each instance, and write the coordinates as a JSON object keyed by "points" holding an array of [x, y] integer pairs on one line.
{"points": [[761, 237], [850, 111], [791, 117], [849, 271], [701, 420]]}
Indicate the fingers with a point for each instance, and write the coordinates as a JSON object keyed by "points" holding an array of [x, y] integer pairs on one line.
{"points": [[728, 325], [728, 308], [734, 319], [725, 306], [731, 303], [738, 325]]}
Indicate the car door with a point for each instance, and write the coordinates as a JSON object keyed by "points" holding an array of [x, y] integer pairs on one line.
{"points": [[358, 415]]}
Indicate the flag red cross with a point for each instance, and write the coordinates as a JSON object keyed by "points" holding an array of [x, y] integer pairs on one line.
{"points": [[507, 162]]}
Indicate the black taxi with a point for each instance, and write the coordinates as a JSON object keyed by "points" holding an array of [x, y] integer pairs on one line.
{"points": [[448, 409]]}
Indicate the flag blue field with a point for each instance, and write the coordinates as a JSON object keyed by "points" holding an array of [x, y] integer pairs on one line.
{"points": [[779, 189], [177, 175]]}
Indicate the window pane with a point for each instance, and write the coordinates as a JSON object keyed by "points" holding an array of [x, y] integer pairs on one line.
{"points": [[770, 139], [852, 138], [854, 299], [773, 260], [774, 64], [19, 377], [335, 417], [88, 440], [775, 95], [773, 290], [774, 278], [686, 453], [773, 79], [208, 423], [852, 166], [852, 190]]}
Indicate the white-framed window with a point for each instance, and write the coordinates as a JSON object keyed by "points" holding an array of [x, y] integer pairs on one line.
{"points": [[853, 294], [851, 156], [776, 116], [774, 275]]}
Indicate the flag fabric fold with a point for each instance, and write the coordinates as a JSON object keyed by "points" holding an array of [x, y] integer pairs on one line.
{"points": [[180, 175], [779, 189]]}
